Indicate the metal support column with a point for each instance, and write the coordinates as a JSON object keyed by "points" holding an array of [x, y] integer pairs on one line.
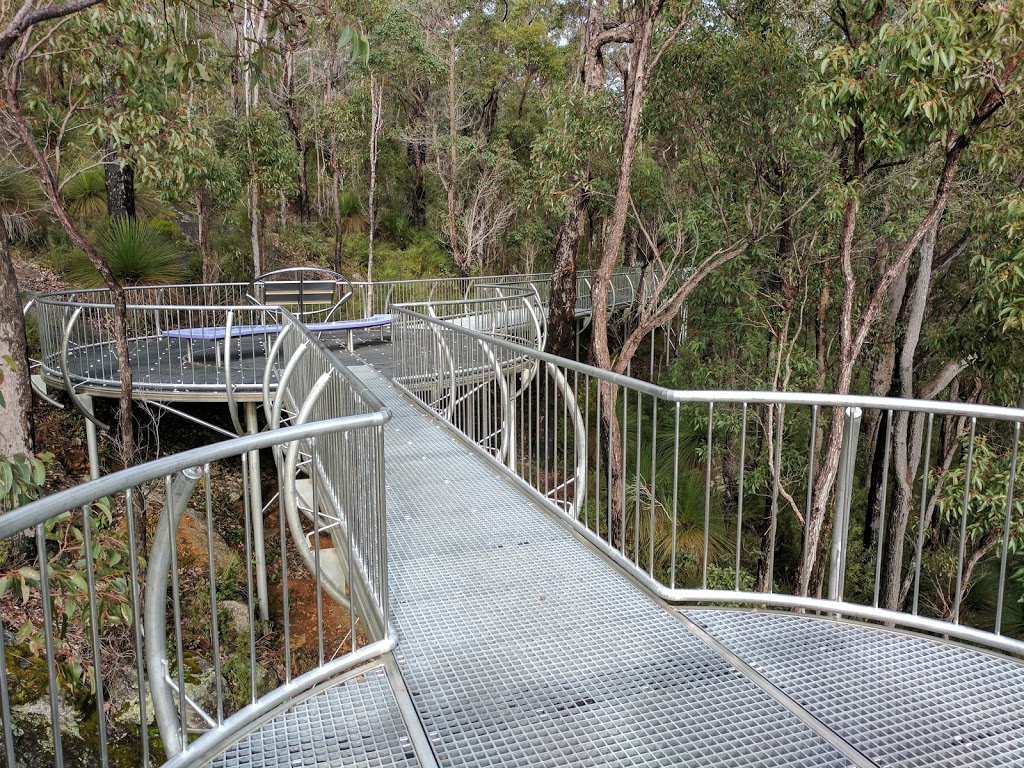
{"points": [[844, 496], [91, 439], [256, 499]]}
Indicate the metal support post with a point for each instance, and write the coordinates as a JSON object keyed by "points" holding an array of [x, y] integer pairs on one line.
{"points": [[91, 439], [844, 497], [256, 498]]}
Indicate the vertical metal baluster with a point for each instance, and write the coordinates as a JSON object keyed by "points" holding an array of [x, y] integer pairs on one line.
{"points": [[349, 459], [963, 526], [586, 441], [622, 494], [1006, 528], [51, 659], [94, 635], [675, 501], [251, 592], [529, 419], [882, 511], [5, 706], [637, 481], [739, 500], [214, 619], [924, 507], [805, 578], [774, 523], [382, 524], [654, 486], [597, 508], [179, 652], [565, 442], [133, 565], [707, 499]]}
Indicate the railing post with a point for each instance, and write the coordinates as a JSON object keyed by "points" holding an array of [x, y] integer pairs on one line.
{"points": [[844, 497]]}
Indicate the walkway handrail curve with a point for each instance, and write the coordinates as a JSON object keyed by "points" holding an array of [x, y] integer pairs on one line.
{"points": [[549, 457]]}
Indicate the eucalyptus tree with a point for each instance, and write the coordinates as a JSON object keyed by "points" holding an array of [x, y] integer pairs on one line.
{"points": [[918, 85], [45, 126], [19, 206]]}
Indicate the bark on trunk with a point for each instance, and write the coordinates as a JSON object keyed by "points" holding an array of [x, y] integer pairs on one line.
{"points": [[376, 124], [16, 415], [119, 178]]}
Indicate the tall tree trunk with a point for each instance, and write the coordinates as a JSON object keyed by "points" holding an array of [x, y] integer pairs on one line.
{"points": [[562, 297], [119, 326], [210, 267], [376, 123], [16, 413], [417, 151], [119, 178], [462, 261]]}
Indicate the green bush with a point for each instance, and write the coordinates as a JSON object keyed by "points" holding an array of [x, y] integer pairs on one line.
{"points": [[137, 254]]}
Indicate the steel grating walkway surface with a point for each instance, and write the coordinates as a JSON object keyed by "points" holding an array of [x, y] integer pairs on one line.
{"points": [[356, 722], [519, 646], [900, 700]]}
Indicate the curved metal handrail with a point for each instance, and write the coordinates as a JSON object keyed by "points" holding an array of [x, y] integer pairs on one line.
{"points": [[836, 605], [229, 391], [310, 555], [75, 399]]}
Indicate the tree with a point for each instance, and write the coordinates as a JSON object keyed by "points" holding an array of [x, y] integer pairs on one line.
{"points": [[19, 204]]}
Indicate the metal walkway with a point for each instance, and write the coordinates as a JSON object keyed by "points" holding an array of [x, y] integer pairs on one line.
{"points": [[519, 645]]}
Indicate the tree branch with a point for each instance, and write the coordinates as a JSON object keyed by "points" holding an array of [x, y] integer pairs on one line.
{"points": [[26, 17]]}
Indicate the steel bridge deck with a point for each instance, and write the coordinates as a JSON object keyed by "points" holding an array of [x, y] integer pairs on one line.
{"points": [[519, 645]]}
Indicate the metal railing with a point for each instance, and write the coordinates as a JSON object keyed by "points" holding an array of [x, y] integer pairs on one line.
{"points": [[703, 496], [174, 358], [85, 572]]}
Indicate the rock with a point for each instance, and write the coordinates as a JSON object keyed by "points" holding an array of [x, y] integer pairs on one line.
{"points": [[192, 548], [236, 618]]}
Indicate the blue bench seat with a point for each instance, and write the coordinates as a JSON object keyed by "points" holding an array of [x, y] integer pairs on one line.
{"points": [[218, 333]]}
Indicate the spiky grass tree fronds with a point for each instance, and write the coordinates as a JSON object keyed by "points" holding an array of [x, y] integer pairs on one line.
{"points": [[85, 194], [21, 199], [136, 253]]}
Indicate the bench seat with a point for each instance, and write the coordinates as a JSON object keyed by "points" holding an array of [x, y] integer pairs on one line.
{"points": [[220, 332]]}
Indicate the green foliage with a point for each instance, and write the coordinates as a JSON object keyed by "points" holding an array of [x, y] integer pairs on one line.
{"points": [[987, 503], [69, 590], [20, 202], [21, 475], [916, 78], [267, 152], [578, 132], [136, 253], [85, 194]]}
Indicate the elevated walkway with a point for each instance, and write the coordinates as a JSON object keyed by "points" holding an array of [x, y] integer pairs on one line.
{"points": [[518, 644]]}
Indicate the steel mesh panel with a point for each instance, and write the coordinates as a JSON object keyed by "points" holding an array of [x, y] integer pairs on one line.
{"points": [[521, 647], [356, 723], [902, 701]]}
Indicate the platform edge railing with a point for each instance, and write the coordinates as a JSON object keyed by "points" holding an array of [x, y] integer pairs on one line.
{"points": [[532, 428]]}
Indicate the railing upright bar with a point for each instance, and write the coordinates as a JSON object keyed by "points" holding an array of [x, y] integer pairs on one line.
{"points": [[882, 522], [958, 595], [675, 501], [1004, 555], [740, 494], [707, 500], [214, 617], [94, 635], [919, 549], [51, 666]]}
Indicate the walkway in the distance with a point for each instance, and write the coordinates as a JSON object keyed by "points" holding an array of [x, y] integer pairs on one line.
{"points": [[519, 645]]}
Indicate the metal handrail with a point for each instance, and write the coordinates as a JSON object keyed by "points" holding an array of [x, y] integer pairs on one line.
{"points": [[170, 700], [564, 466]]}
